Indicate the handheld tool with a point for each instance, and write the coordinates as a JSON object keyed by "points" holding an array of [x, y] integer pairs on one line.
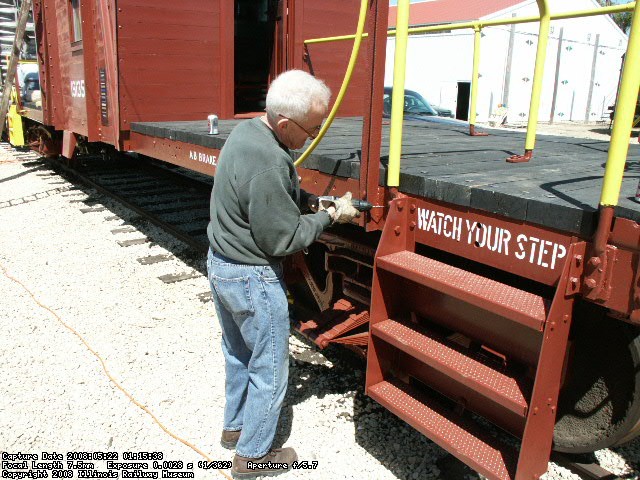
{"points": [[360, 205]]}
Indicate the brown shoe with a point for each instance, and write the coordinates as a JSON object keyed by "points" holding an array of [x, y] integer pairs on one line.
{"points": [[230, 438], [275, 462]]}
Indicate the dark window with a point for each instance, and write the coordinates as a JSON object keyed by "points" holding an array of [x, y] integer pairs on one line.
{"points": [[76, 21]]}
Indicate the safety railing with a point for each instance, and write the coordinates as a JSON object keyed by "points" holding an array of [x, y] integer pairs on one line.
{"points": [[630, 84]]}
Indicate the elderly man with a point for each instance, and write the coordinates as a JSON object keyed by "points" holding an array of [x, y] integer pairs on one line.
{"points": [[256, 221]]}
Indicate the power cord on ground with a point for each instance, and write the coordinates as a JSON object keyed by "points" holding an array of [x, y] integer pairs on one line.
{"points": [[106, 371]]}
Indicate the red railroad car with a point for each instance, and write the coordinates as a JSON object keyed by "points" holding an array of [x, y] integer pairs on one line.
{"points": [[473, 285]]}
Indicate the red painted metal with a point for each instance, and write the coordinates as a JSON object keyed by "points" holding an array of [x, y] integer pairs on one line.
{"points": [[372, 128], [538, 434], [506, 244], [329, 61], [474, 370], [512, 303], [473, 133], [193, 157], [528, 154], [463, 439]]}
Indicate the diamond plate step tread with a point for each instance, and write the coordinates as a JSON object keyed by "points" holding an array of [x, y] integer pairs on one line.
{"points": [[461, 438], [468, 368], [518, 305]]}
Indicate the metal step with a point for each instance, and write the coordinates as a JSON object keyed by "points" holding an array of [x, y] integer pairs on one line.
{"points": [[461, 437], [471, 369], [518, 305]]}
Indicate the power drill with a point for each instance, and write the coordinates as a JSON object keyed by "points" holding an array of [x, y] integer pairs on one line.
{"points": [[360, 205]]}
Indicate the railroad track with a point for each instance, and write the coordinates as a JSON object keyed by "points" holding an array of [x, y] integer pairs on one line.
{"points": [[166, 197]]}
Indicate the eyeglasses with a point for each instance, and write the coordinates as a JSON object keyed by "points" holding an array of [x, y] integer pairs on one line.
{"points": [[316, 130]]}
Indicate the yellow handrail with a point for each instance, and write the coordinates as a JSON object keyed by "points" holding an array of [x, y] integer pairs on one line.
{"points": [[475, 76], [623, 119], [628, 7], [345, 83], [538, 73], [397, 96]]}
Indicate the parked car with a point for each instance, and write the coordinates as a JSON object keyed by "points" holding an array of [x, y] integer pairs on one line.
{"points": [[443, 112], [417, 108]]}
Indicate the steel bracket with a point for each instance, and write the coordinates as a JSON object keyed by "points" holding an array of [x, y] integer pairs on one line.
{"points": [[598, 275], [576, 268], [635, 313]]}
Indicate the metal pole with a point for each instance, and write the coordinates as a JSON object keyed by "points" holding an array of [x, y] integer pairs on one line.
{"points": [[593, 78], [555, 83], [623, 119], [475, 76], [541, 55], [507, 73], [397, 99]]}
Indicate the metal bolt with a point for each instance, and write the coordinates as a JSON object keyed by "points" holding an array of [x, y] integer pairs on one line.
{"points": [[574, 282], [413, 207], [535, 410], [397, 230], [578, 260], [590, 283], [565, 318], [552, 325], [400, 207], [412, 225], [595, 261]]}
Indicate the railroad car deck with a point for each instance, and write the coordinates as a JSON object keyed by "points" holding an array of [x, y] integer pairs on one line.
{"points": [[559, 188]]}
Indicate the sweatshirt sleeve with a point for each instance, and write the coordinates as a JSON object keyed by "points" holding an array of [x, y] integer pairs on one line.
{"points": [[276, 223]]}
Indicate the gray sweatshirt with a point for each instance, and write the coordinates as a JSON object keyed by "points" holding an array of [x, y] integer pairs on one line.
{"points": [[256, 200]]}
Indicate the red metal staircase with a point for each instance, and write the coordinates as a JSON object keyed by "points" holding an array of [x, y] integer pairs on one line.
{"points": [[409, 349]]}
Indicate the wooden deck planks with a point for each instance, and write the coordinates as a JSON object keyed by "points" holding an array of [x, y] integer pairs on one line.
{"points": [[559, 188]]}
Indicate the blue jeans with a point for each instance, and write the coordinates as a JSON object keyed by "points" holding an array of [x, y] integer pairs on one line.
{"points": [[253, 311]]}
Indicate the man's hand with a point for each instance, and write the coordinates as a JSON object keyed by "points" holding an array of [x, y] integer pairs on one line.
{"points": [[345, 211]]}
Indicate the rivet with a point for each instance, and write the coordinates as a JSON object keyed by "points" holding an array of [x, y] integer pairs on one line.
{"points": [[397, 230], [535, 410], [578, 260], [413, 207], [595, 261], [590, 283], [400, 207], [565, 318], [412, 225], [574, 282], [552, 325]]}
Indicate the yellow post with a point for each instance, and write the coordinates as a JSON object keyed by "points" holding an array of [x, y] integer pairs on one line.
{"points": [[541, 56], [397, 99], [475, 76], [538, 73], [625, 110]]}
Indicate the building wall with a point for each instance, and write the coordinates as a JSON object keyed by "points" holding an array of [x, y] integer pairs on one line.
{"points": [[436, 62]]}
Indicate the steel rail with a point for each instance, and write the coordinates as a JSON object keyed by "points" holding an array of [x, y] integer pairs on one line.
{"points": [[345, 84], [175, 232], [628, 7], [397, 95]]}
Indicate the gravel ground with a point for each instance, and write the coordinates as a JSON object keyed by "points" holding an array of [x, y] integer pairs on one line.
{"points": [[162, 345]]}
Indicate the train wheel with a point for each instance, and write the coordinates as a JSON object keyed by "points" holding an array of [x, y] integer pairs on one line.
{"points": [[600, 400]]}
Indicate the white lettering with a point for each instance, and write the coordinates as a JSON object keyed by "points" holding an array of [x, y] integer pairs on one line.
{"points": [[203, 157], [77, 89], [521, 254]]}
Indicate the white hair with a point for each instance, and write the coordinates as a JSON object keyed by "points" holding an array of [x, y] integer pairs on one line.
{"points": [[294, 93]]}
